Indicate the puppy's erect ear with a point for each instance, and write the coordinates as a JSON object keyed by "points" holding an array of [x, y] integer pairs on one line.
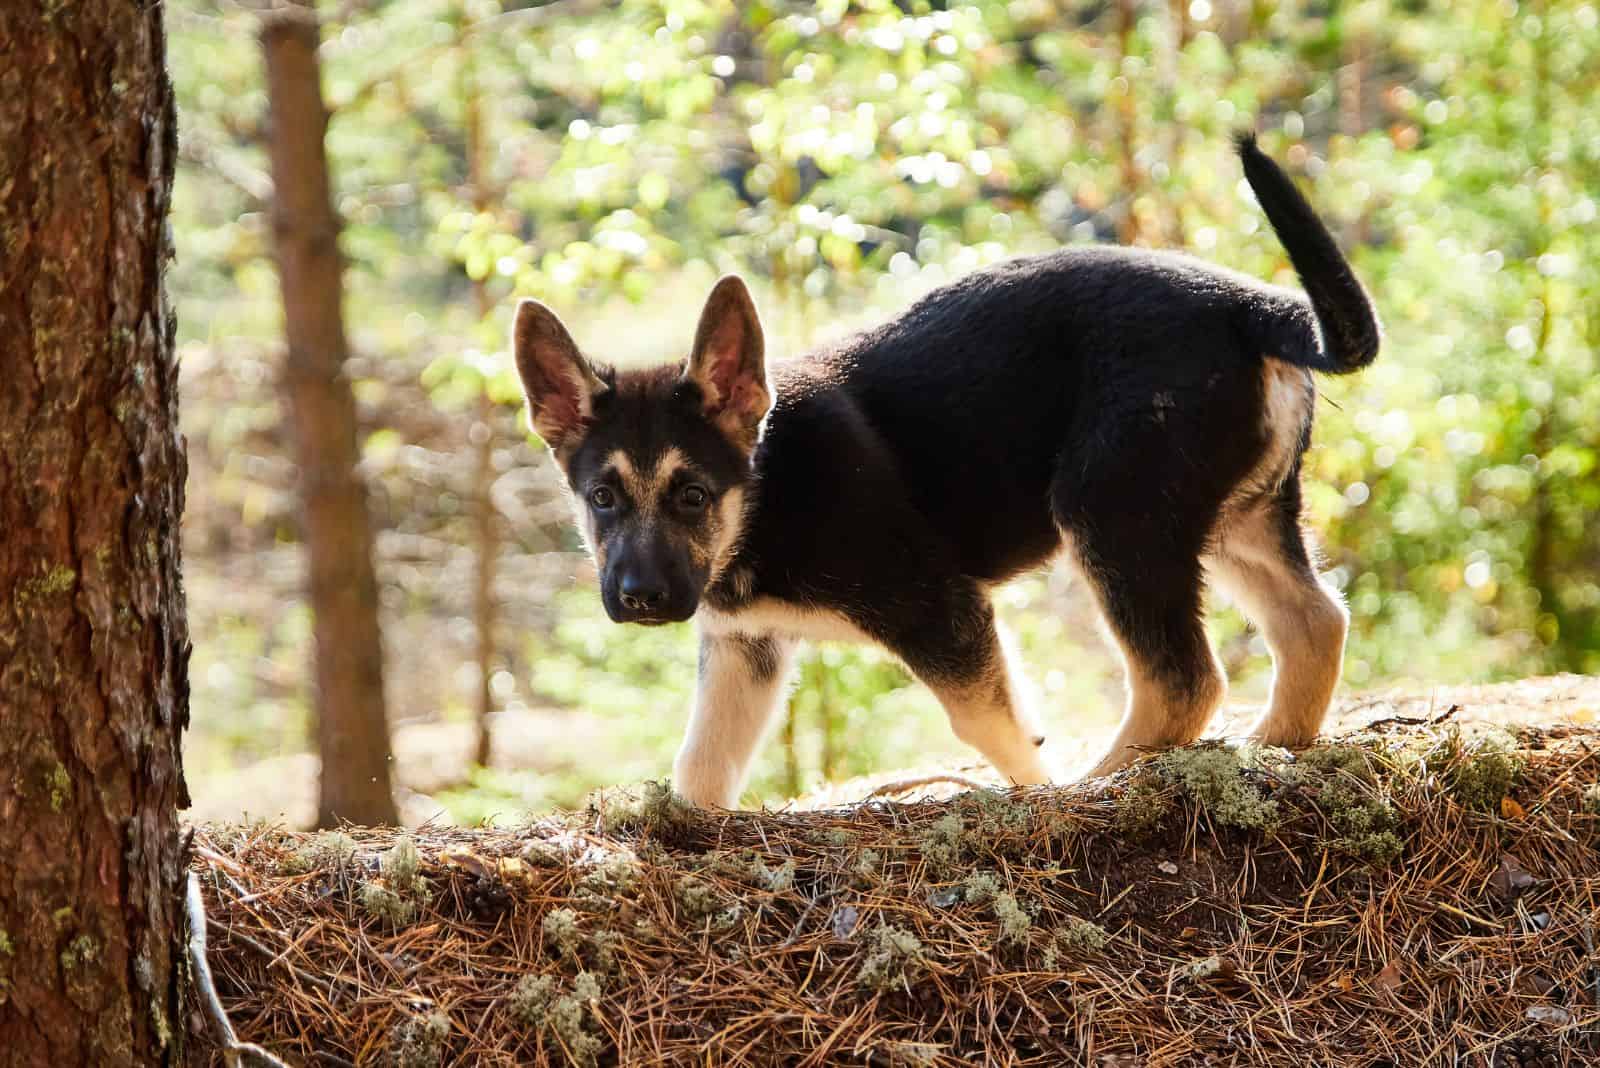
{"points": [[559, 382], [729, 362]]}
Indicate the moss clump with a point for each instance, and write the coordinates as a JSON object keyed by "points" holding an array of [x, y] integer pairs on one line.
{"points": [[1591, 800], [868, 867], [386, 906], [1015, 923], [395, 898], [941, 841], [79, 951], [1482, 771], [1078, 937], [1218, 777], [981, 887], [529, 1002], [60, 784], [418, 1041], [327, 851], [651, 807], [699, 899], [401, 866], [1349, 793], [615, 875], [895, 960], [603, 946], [1141, 808], [537, 1003], [998, 813], [747, 866], [561, 931]]}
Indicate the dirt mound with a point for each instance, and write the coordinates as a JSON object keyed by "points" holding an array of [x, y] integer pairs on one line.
{"points": [[1412, 894]]}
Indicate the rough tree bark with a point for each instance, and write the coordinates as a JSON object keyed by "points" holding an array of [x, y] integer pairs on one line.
{"points": [[93, 642], [352, 730]]}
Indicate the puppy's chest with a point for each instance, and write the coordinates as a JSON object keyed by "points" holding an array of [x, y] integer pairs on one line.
{"points": [[770, 615]]}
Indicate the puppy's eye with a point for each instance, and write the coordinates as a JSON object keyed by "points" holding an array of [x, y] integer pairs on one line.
{"points": [[693, 498], [602, 498]]}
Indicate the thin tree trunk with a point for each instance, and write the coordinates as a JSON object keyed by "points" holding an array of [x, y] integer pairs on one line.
{"points": [[1128, 226], [352, 732], [94, 646], [486, 530]]}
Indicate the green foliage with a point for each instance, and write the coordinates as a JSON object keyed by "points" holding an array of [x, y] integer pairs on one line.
{"points": [[847, 157]]}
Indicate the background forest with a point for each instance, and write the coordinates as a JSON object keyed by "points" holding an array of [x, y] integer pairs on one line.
{"points": [[612, 158]]}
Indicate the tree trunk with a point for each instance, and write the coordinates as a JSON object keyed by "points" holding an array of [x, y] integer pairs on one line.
{"points": [[352, 733], [94, 646], [481, 434], [1126, 111]]}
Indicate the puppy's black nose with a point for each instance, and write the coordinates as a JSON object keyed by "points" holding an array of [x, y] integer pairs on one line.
{"points": [[642, 595]]}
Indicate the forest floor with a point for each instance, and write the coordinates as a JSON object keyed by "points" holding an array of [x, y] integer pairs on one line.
{"points": [[432, 757], [1420, 888]]}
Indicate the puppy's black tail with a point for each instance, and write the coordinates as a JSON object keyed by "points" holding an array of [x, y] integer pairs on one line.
{"points": [[1344, 334]]}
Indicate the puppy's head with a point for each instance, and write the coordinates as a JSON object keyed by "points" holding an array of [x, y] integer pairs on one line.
{"points": [[658, 460]]}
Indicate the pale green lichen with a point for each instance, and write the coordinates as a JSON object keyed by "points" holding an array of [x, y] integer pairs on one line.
{"points": [[1348, 791], [6, 947], [981, 887], [651, 807], [537, 1003], [1015, 922], [895, 960], [1081, 936], [1078, 937], [699, 899], [395, 899], [1220, 779], [561, 931], [868, 866], [419, 1041], [401, 866], [326, 851], [941, 841], [747, 866], [1591, 800], [386, 906], [998, 813], [1140, 809]]}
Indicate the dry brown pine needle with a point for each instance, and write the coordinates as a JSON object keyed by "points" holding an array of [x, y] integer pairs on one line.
{"points": [[1368, 903]]}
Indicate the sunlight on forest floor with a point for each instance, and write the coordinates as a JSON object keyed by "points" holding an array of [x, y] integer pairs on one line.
{"points": [[433, 759]]}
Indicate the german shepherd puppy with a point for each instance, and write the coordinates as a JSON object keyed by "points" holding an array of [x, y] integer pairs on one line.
{"points": [[1145, 412]]}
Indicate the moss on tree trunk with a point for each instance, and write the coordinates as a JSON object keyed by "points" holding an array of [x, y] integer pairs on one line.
{"points": [[93, 640]]}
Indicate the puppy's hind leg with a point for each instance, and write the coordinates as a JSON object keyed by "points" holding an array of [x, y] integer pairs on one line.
{"points": [[1174, 682], [740, 689], [1262, 562]]}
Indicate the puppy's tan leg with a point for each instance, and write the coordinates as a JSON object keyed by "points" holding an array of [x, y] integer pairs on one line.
{"points": [[988, 709], [1261, 561], [741, 688]]}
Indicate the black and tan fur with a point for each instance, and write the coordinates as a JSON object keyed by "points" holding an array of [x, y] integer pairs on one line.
{"points": [[1145, 412]]}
